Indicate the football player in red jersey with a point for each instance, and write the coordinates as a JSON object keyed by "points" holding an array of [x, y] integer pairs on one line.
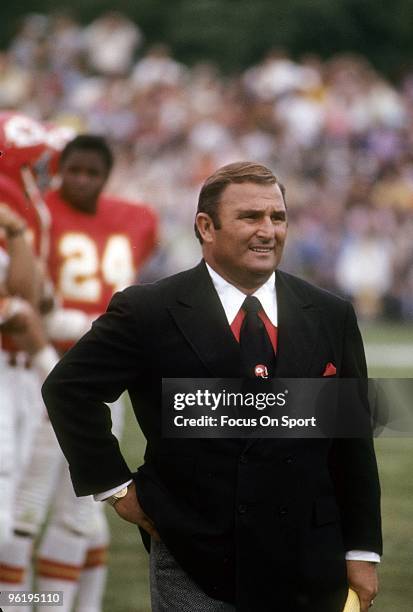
{"points": [[25, 356], [23, 141], [97, 244]]}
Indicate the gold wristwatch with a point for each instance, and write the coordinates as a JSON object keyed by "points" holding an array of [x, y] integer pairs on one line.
{"points": [[116, 496]]}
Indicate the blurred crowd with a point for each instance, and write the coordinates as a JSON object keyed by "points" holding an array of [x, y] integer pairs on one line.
{"points": [[336, 132]]}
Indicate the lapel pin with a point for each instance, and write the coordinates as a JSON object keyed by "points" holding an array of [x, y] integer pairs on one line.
{"points": [[261, 371]]}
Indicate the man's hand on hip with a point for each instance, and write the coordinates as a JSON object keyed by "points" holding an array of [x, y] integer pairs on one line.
{"points": [[362, 578], [129, 509]]}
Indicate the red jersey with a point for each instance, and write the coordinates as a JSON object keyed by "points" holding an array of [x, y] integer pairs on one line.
{"points": [[94, 255]]}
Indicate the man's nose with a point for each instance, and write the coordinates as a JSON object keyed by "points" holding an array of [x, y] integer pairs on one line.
{"points": [[266, 230], [82, 178]]}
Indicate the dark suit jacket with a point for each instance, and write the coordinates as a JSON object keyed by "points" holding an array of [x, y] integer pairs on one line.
{"points": [[256, 522]]}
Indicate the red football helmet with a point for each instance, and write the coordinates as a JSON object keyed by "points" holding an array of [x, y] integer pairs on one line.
{"points": [[22, 141]]}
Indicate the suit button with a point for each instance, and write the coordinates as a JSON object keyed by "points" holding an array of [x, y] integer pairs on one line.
{"points": [[283, 511], [289, 459], [243, 459], [242, 508]]}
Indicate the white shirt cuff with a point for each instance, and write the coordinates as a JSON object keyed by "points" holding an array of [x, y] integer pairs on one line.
{"points": [[105, 494], [362, 555]]}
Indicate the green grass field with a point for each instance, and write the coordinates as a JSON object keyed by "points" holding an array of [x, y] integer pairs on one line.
{"points": [[128, 589]]}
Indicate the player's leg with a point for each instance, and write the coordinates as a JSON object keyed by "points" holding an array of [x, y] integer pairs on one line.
{"points": [[66, 560], [16, 553], [93, 578], [75, 540], [7, 450]]}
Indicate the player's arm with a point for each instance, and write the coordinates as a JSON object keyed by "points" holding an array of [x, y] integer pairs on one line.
{"points": [[23, 278], [23, 323]]}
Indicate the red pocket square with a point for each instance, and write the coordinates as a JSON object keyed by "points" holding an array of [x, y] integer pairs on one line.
{"points": [[330, 369]]}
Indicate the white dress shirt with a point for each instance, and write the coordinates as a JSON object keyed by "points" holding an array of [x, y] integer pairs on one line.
{"points": [[231, 300]]}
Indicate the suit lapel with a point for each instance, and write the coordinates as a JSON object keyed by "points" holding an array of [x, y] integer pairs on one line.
{"points": [[298, 325], [199, 314]]}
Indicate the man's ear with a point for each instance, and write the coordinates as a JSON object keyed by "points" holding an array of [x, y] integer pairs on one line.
{"points": [[205, 226]]}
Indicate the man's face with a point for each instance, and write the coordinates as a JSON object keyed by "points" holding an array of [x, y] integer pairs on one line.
{"points": [[83, 175], [249, 244]]}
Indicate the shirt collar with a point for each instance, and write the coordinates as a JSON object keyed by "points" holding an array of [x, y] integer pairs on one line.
{"points": [[232, 298]]}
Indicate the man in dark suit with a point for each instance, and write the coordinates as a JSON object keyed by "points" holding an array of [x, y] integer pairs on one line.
{"points": [[264, 525]]}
